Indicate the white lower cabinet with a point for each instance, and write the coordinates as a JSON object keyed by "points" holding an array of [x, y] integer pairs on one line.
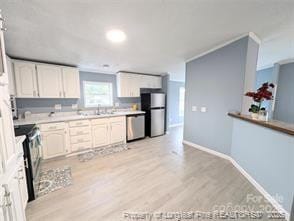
{"points": [[100, 132], [54, 140], [11, 203], [54, 143], [108, 131], [80, 135], [23, 185], [117, 129], [59, 139]]}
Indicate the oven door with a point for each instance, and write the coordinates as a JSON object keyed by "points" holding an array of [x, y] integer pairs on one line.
{"points": [[34, 148]]}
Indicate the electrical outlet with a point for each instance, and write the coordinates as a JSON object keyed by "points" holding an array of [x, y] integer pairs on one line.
{"points": [[116, 104], [57, 106], [74, 106], [203, 109], [194, 108]]}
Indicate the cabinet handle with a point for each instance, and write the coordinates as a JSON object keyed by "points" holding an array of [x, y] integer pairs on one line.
{"points": [[64, 95], [34, 93], [59, 93]]}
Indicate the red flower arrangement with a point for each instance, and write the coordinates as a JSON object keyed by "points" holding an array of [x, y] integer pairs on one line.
{"points": [[263, 93]]}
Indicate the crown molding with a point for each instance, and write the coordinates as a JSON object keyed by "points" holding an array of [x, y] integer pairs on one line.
{"points": [[252, 35]]}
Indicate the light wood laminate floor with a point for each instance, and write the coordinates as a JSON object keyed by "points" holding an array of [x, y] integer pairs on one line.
{"points": [[155, 175]]}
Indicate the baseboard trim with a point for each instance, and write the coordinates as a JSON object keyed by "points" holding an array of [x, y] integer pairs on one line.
{"points": [[205, 149], [175, 125], [274, 203]]}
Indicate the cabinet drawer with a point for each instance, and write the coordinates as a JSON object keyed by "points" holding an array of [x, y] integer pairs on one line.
{"points": [[117, 119], [99, 121], [76, 131], [52, 126], [79, 123], [80, 139], [81, 146]]}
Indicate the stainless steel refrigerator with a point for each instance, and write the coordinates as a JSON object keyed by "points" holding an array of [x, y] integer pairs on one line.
{"points": [[154, 106]]}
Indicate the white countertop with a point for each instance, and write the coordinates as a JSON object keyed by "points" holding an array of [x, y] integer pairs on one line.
{"points": [[39, 119]]}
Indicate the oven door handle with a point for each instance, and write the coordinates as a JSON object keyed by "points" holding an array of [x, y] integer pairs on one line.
{"points": [[26, 164], [37, 133]]}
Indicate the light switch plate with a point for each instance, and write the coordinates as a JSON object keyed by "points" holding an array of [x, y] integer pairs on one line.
{"points": [[194, 108], [57, 106], [74, 106], [203, 109]]}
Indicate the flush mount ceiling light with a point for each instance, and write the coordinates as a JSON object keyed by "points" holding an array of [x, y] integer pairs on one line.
{"points": [[116, 36]]}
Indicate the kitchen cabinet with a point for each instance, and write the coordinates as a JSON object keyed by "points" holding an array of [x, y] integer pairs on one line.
{"points": [[25, 79], [129, 84], [3, 66], [14, 201], [39, 80], [11, 78], [50, 81], [71, 82], [108, 131], [8, 150], [54, 140], [117, 129], [80, 135], [10, 200], [100, 134], [21, 177]]}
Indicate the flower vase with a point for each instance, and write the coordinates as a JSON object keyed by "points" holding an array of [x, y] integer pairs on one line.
{"points": [[255, 116]]}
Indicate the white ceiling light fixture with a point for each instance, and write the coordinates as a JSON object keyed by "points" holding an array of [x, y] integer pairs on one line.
{"points": [[116, 36]]}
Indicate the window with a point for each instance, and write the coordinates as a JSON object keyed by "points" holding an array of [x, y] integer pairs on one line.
{"points": [[181, 101], [97, 93]]}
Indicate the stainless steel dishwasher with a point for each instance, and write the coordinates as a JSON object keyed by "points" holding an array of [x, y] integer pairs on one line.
{"points": [[135, 127]]}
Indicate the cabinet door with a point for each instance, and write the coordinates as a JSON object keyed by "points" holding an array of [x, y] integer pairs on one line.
{"points": [[11, 79], [50, 81], [71, 82], [7, 129], [117, 130], [3, 65], [25, 79], [15, 207], [54, 143], [100, 134], [22, 181]]}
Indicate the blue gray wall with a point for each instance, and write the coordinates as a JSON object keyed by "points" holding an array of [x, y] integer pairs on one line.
{"points": [[264, 75], [47, 104], [215, 81], [267, 155], [173, 102], [284, 107]]}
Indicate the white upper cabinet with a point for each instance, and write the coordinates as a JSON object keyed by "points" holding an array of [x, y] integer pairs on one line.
{"points": [[129, 84], [71, 82], [39, 80], [50, 81], [3, 66], [25, 79], [11, 79]]}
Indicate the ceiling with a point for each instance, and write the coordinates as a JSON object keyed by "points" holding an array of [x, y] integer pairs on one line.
{"points": [[161, 34]]}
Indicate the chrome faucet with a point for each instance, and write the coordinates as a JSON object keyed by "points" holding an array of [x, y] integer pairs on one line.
{"points": [[98, 109]]}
